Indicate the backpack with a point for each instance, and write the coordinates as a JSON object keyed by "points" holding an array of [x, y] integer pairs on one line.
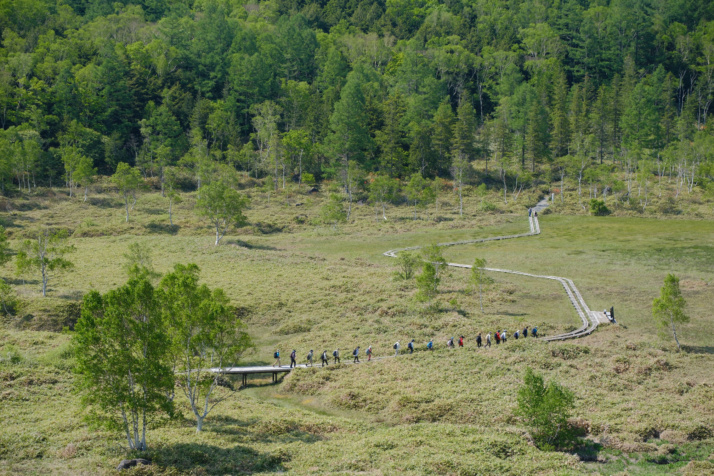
{"points": [[276, 355], [354, 352], [395, 346], [411, 346], [369, 351], [334, 353], [430, 345], [292, 355]]}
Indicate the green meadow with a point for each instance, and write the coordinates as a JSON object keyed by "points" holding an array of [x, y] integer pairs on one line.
{"points": [[641, 406]]}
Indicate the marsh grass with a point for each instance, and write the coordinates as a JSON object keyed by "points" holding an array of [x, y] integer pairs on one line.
{"points": [[644, 407]]}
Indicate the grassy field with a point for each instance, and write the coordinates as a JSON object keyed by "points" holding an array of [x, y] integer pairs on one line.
{"points": [[646, 408]]}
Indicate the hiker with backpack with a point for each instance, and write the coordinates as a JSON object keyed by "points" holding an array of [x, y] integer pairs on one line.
{"points": [[276, 356], [410, 346], [534, 332], [515, 334], [497, 335], [336, 355], [355, 353], [309, 358], [488, 340], [525, 332], [478, 340], [461, 341], [369, 353], [396, 348], [504, 335], [450, 343], [293, 362], [430, 345], [325, 361]]}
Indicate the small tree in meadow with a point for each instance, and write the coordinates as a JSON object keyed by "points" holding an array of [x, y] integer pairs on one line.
{"points": [[479, 278], [222, 206], [545, 409], [408, 262], [668, 308], [381, 192], [122, 352], [128, 181], [433, 255], [333, 211], [427, 283], [205, 333], [46, 254]]}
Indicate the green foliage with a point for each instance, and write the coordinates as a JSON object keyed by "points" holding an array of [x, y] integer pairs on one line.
{"points": [[545, 409], [408, 262], [222, 206], [479, 279], [668, 308], [122, 360], [5, 253], [8, 299], [205, 332], [138, 262], [333, 211], [434, 255], [427, 283], [45, 253], [598, 208], [128, 180]]}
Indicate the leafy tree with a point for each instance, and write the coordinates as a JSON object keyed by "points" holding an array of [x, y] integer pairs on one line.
{"points": [[171, 193], [479, 279], [128, 180], [138, 262], [433, 254], [8, 298], [546, 409], [419, 192], [122, 352], [84, 173], [46, 254], [5, 255], [427, 283], [408, 262], [598, 208], [333, 211], [222, 206], [668, 308], [382, 190], [205, 334], [297, 146]]}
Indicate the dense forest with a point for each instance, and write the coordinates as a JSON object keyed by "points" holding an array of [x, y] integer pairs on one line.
{"points": [[301, 90]]}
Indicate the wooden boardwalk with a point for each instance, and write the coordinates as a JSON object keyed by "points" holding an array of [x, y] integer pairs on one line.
{"points": [[283, 369], [589, 319]]}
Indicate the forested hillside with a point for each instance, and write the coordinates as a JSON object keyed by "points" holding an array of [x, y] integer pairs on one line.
{"points": [[335, 89]]}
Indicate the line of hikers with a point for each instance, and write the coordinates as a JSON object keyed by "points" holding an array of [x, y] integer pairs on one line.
{"points": [[499, 336]]}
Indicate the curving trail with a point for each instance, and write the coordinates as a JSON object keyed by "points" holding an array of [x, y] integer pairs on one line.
{"points": [[589, 319]]}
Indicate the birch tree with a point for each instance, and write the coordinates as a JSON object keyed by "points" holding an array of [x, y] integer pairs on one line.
{"points": [[381, 191], [122, 351], [128, 180], [223, 208], [45, 253], [668, 308], [206, 337], [479, 279]]}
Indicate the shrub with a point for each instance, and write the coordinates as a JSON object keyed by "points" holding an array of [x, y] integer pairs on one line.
{"points": [[598, 208], [546, 409]]}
